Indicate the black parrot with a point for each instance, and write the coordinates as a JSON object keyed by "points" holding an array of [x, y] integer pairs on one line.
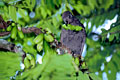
{"points": [[72, 40]]}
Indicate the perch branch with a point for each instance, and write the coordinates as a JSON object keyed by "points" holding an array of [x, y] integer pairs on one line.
{"points": [[32, 29], [5, 45], [25, 30], [4, 33]]}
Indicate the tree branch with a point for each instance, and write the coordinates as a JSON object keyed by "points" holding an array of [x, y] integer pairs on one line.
{"points": [[25, 30], [5, 45], [32, 29], [4, 33]]}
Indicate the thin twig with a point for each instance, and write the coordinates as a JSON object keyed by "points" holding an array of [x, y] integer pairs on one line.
{"points": [[4, 33], [25, 30], [32, 29]]}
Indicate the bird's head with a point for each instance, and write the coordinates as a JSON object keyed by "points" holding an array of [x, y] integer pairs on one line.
{"points": [[67, 17]]}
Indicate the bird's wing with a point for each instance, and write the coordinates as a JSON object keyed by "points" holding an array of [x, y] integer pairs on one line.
{"points": [[73, 40]]}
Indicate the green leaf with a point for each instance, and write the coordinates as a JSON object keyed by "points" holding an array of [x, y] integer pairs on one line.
{"points": [[111, 37], [94, 77], [83, 76], [12, 13], [52, 66], [72, 27], [48, 31], [116, 60], [10, 63], [33, 63], [33, 2], [14, 32], [48, 37], [26, 63], [30, 4], [112, 67], [38, 39], [1, 3], [24, 14], [92, 3], [43, 12], [108, 3], [28, 46], [100, 1], [40, 46], [9, 28], [21, 35], [30, 57], [103, 30], [54, 20]]}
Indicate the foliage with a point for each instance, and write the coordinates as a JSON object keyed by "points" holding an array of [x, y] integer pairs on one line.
{"points": [[72, 27], [9, 64], [55, 67], [46, 14]]}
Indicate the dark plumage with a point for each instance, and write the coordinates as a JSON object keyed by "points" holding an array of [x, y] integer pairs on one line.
{"points": [[73, 41]]}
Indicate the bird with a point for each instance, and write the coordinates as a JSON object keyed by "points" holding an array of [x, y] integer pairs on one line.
{"points": [[73, 41]]}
